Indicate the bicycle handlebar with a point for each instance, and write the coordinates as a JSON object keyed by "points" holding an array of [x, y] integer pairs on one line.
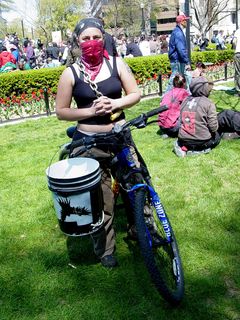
{"points": [[156, 111], [138, 122]]}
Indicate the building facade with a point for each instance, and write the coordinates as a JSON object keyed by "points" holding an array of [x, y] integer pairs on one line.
{"points": [[169, 9]]}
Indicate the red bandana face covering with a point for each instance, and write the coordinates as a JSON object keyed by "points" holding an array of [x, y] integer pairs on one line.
{"points": [[92, 56]]}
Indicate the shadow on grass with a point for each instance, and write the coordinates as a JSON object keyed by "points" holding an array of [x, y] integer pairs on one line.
{"points": [[91, 292], [38, 283], [226, 100]]}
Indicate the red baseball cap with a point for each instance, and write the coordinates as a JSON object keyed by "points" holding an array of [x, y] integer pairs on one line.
{"points": [[181, 18]]}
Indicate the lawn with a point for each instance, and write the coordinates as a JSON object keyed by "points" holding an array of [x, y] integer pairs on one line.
{"points": [[46, 276]]}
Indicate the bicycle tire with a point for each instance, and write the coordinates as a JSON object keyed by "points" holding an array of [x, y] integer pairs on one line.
{"points": [[163, 262]]}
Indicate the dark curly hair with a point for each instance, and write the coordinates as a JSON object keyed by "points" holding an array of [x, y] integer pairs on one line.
{"points": [[179, 81]]}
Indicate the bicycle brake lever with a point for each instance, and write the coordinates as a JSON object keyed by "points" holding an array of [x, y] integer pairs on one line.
{"points": [[140, 122]]}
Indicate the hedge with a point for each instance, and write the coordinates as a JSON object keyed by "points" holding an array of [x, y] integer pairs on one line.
{"points": [[18, 82], [146, 67]]}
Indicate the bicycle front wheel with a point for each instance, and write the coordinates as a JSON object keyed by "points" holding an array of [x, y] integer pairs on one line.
{"points": [[161, 256]]}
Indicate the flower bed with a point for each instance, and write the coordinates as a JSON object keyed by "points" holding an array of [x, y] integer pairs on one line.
{"points": [[153, 85], [27, 105], [220, 71]]}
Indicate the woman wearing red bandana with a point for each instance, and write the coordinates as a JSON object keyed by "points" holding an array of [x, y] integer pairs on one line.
{"points": [[94, 113]]}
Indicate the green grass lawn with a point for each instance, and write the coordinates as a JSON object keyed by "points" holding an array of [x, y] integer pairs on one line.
{"points": [[202, 198]]}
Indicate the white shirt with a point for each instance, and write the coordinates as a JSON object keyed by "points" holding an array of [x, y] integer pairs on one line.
{"points": [[237, 40], [144, 46]]}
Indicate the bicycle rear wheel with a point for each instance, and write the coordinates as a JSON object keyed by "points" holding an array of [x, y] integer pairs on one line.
{"points": [[161, 256]]}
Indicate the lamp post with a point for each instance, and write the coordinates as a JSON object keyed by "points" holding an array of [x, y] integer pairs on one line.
{"points": [[143, 22], [22, 29], [236, 14], [187, 11]]}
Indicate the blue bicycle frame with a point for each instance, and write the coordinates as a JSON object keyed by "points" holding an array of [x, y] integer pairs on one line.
{"points": [[125, 158]]}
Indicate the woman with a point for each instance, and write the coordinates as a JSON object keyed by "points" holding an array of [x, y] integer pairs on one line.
{"points": [[168, 121], [97, 110]]}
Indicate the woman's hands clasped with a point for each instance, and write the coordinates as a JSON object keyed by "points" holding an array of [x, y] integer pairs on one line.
{"points": [[104, 105]]}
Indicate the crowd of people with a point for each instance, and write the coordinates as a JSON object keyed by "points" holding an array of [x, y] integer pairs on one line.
{"points": [[25, 54]]}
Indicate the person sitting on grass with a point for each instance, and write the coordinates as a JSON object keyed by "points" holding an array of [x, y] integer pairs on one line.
{"points": [[168, 120], [201, 128], [199, 70]]}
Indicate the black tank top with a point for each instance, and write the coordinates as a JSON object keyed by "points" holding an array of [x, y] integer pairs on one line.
{"points": [[84, 95]]}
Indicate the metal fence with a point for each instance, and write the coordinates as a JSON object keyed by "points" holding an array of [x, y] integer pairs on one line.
{"points": [[212, 72]]}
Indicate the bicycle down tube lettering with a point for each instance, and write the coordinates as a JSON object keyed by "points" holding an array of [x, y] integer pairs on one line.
{"points": [[161, 215]]}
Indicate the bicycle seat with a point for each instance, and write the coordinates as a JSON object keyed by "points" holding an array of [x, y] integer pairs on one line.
{"points": [[70, 131]]}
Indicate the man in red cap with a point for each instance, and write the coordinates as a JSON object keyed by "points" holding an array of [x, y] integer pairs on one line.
{"points": [[177, 53]]}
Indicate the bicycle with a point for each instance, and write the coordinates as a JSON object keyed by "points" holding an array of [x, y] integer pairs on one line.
{"points": [[162, 258]]}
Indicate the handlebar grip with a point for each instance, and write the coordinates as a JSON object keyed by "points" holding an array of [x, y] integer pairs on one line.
{"points": [[156, 111]]}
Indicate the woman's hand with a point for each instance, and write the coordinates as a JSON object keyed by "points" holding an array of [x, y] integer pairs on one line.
{"points": [[103, 106]]}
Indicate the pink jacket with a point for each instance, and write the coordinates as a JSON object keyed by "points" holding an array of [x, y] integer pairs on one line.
{"points": [[172, 99]]}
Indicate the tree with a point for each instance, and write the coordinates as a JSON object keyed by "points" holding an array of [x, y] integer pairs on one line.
{"points": [[15, 26], [58, 15], [5, 5], [126, 15], [208, 13], [122, 15]]}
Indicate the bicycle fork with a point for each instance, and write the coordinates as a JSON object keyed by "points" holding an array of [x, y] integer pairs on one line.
{"points": [[156, 202]]}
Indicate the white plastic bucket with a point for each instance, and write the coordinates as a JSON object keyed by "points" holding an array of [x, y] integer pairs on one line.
{"points": [[77, 195]]}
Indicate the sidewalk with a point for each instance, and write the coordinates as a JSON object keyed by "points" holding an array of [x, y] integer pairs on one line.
{"points": [[19, 120]]}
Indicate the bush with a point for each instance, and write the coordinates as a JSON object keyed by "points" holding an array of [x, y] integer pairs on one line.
{"points": [[18, 82], [144, 68]]}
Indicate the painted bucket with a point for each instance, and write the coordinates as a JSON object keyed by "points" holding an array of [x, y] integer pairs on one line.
{"points": [[77, 195]]}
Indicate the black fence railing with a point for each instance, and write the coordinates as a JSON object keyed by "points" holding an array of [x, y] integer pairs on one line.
{"points": [[212, 72]]}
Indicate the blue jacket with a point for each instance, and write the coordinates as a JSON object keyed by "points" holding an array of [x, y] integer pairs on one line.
{"points": [[178, 46]]}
